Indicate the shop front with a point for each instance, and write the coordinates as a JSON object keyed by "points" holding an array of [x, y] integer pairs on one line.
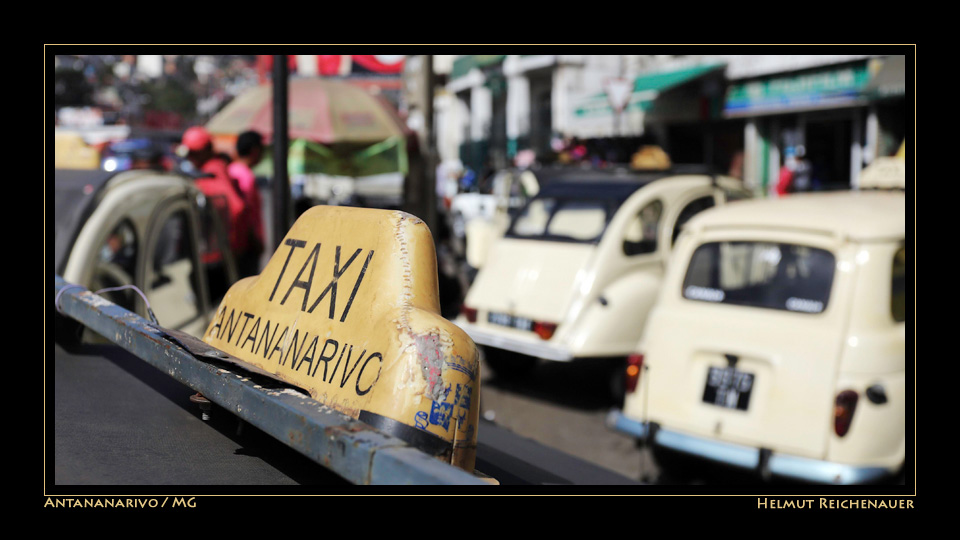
{"points": [[479, 83], [828, 121], [677, 109]]}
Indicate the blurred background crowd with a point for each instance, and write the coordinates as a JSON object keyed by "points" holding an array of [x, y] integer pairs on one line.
{"points": [[416, 131]]}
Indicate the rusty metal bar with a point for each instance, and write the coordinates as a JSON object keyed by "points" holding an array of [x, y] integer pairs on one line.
{"points": [[348, 447]]}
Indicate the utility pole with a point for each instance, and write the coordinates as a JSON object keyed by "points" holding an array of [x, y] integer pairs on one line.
{"points": [[430, 193], [281, 142], [419, 191]]}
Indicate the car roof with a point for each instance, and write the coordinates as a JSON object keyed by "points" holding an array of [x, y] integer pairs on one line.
{"points": [[612, 182], [859, 215], [619, 171], [596, 189]]}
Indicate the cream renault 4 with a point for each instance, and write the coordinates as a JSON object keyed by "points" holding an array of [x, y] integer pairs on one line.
{"points": [[778, 342], [581, 264]]}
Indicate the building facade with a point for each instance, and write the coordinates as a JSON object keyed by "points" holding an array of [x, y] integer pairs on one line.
{"points": [[741, 114]]}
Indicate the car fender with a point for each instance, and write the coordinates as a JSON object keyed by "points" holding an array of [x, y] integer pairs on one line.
{"points": [[612, 322]]}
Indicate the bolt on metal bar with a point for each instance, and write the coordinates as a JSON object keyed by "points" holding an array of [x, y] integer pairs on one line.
{"points": [[350, 448]]}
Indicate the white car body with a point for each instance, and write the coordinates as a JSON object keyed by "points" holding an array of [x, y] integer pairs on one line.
{"points": [[765, 382], [594, 293]]}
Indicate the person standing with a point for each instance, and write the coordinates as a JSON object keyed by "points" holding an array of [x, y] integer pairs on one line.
{"points": [[249, 153], [785, 183], [210, 176], [802, 174]]}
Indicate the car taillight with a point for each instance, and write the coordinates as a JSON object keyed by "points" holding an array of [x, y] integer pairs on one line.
{"points": [[469, 313], [544, 329], [843, 411], [634, 366]]}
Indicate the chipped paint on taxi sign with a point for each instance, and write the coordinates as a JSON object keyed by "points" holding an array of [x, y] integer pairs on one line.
{"points": [[348, 309]]}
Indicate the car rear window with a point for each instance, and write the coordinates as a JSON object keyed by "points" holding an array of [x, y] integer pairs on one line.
{"points": [[759, 274], [563, 219]]}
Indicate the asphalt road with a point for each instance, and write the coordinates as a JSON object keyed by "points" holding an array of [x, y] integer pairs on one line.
{"points": [[118, 421], [562, 406]]}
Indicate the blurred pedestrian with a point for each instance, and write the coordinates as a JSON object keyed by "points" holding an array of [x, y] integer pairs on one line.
{"points": [[210, 176], [249, 153], [802, 171], [468, 180], [578, 150], [785, 182], [736, 166]]}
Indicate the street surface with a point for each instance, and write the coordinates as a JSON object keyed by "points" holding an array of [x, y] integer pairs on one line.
{"points": [[562, 406], [117, 421]]}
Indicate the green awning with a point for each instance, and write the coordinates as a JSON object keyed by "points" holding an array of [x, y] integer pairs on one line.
{"points": [[463, 65], [646, 89], [668, 79]]}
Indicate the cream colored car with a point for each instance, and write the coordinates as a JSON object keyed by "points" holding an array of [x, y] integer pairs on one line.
{"points": [[778, 342], [153, 230], [579, 267]]}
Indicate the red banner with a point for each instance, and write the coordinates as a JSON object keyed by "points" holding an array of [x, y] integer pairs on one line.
{"points": [[392, 63], [332, 64], [328, 64]]}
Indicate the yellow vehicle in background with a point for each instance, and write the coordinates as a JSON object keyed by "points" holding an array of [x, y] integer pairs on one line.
{"points": [[70, 151]]}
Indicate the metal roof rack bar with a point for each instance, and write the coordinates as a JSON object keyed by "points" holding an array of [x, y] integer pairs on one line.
{"points": [[346, 446]]}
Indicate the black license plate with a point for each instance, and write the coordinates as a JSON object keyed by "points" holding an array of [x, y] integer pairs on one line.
{"points": [[504, 319], [728, 387]]}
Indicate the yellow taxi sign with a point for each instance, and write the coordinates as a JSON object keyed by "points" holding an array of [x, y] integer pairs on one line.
{"points": [[348, 309]]}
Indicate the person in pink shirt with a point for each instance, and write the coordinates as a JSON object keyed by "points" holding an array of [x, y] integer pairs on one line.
{"points": [[213, 180], [249, 153]]}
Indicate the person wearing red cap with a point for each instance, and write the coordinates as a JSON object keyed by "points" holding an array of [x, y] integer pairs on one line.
{"points": [[214, 181]]}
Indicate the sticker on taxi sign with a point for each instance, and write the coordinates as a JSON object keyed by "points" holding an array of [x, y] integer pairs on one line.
{"points": [[348, 309]]}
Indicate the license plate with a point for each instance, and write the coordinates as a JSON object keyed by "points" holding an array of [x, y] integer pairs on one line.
{"points": [[503, 319], [728, 387]]}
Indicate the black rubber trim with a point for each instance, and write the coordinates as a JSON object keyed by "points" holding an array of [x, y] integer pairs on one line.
{"points": [[422, 440]]}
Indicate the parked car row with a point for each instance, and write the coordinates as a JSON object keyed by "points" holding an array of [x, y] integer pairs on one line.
{"points": [[579, 267], [767, 335]]}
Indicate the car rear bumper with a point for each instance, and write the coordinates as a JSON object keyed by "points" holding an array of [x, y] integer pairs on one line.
{"points": [[531, 347], [747, 457]]}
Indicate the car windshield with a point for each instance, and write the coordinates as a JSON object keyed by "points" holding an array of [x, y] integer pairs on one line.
{"points": [[563, 219], [760, 274]]}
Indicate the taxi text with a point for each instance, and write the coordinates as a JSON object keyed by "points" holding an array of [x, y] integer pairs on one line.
{"points": [[300, 352]]}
